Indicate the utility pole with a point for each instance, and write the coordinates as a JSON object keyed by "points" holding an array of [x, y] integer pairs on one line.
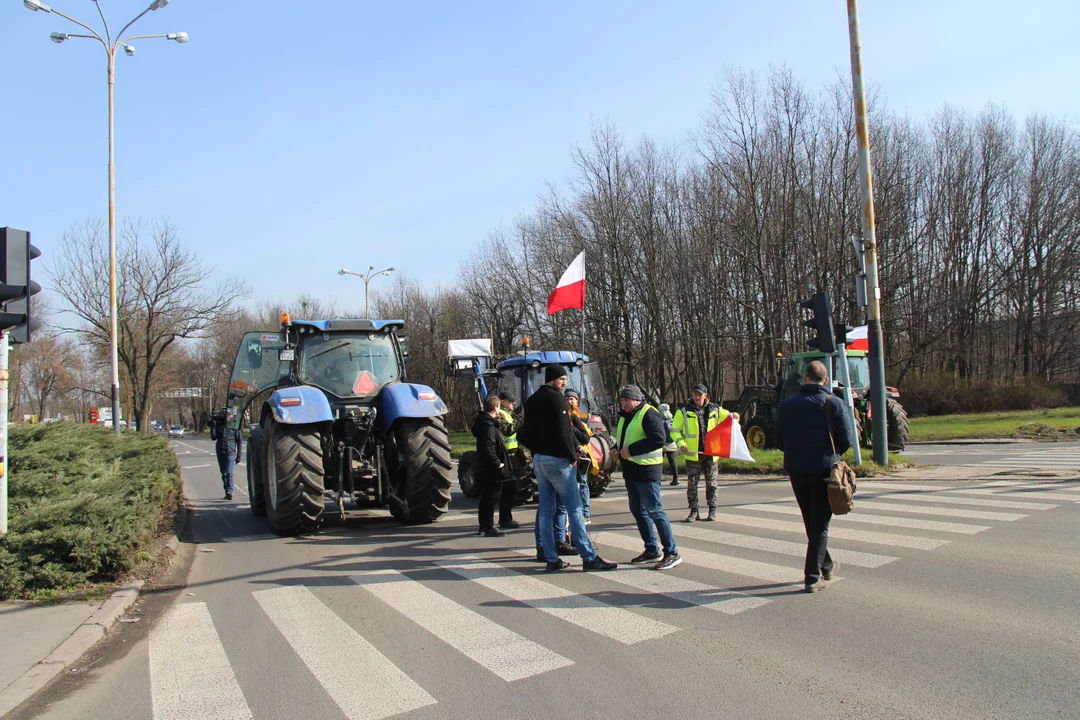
{"points": [[873, 291]]}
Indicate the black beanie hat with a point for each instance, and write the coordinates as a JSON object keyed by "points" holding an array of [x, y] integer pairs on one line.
{"points": [[553, 372]]}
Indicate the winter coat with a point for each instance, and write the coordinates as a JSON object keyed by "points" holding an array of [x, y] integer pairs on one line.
{"points": [[490, 450], [547, 430], [802, 431]]}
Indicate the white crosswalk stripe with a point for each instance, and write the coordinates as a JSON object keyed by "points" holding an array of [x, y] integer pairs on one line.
{"points": [[890, 504], [359, 678], [782, 547], [585, 612], [502, 651], [859, 517], [948, 500], [190, 675], [836, 533]]}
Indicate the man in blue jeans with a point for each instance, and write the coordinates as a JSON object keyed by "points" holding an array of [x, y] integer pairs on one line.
{"points": [[546, 432], [228, 445], [640, 436]]}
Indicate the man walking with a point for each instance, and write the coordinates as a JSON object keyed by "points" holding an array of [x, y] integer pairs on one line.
{"points": [[547, 433], [688, 428], [492, 464], [227, 445], [803, 433], [640, 437]]}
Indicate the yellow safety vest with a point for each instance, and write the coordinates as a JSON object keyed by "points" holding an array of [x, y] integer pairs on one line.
{"points": [[510, 440], [636, 432], [685, 430]]}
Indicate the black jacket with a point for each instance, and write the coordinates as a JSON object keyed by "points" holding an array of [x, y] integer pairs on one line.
{"points": [[577, 426], [546, 430], [655, 437], [490, 450], [802, 433], [227, 442]]}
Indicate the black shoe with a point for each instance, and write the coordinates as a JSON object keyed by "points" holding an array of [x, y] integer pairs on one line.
{"points": [[673, 483], [668, 562], [827, 574], [647, 556], [817, 585], [692, 517], [510, 525], [228, 496], [565, 548], [556, 566], [492, 532], [598, 564], [540, 556], [712, 515]]}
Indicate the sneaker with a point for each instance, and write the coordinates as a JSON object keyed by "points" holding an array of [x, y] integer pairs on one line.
{"points": [[588, 521], [510, 525], [817, 585], [228, 496], [565, 548], [668, 562], [493, 532], [598, 564], [556, 566], [692, 517], [827, 574], [712, 515], [647, 556]]}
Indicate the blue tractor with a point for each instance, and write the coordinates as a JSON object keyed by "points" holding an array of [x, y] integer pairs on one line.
{"points": [[331, 416]]}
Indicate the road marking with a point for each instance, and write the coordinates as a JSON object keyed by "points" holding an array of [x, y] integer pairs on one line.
{"points": [[359, 678], [1052, 487], [947, 500], [866, 536], [585, 612], [190, 675], [713, 561], [857, 517], [677, 588], [892, 505], [782, 547], [192, 467], [250, 538], [500, 650], [1016, 493]]}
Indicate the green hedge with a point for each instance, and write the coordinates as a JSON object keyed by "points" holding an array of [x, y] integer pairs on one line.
{"points": [[83, 502]]}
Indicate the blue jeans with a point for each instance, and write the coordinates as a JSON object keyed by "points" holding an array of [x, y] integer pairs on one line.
{"points": [[559, 476], [586, 498], [225, 464], [647, 511], [558, 522]]}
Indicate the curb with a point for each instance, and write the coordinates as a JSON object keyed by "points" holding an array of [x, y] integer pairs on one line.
{"points": [[85, 636]]}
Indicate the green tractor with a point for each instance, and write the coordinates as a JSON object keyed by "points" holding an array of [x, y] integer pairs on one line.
{"points": [[759, 404]]}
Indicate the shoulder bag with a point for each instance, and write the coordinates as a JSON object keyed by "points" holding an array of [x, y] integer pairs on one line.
{"points": [[841, 485]]}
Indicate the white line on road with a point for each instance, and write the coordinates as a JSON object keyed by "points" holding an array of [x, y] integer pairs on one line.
{"points": [[857, 517], [947, 500], [585, 612], [359, 678], [250, 538], [500, 650], [190, 675], [836, 533], [192, 467], [782, 547], [890, 504]]}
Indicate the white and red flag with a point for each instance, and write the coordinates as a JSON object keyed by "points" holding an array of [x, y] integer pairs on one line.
{"points": [[857, 339], [570, 292], [726, 440]]}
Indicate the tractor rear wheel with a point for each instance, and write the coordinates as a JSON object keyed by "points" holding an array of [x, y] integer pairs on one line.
{"points": [[294, 478], [758, 434], [897, 423], [466, 475], [255, 473], [421, 487]]}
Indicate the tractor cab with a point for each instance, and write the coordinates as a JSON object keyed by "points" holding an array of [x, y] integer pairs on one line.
{"points": [[794, 368], [522, 375]]}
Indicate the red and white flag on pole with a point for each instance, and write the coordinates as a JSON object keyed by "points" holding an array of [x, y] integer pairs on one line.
{"points": [[726, 440], [857, 339], [570, 292]]}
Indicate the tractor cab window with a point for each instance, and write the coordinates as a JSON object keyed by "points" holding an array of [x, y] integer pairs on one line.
{"points": [[349, 365], [510, 381], [859, 370], [258, 368]]}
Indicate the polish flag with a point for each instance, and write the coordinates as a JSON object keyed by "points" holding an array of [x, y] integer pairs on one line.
{"points": [[726, 440], [858, 340], [570, 292]]}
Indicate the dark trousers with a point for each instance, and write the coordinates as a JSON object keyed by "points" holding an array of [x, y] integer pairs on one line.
{"points": [[506, 500], [673, 464], [486, 514], [810, 491]]}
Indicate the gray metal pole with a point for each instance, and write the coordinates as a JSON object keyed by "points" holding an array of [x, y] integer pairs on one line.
{"points": [[112, 255], [873, 292], [845, 378], [5, 466]]}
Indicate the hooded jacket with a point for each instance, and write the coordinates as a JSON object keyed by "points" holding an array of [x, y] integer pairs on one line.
{"points": [[490, 450]]}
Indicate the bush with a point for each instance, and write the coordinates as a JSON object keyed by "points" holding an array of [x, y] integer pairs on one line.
{"points": [[83, 502], [946, 395]]}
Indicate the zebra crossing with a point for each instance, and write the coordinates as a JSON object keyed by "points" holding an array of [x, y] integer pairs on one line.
{"points": [[191, 674], [1045, 458]]}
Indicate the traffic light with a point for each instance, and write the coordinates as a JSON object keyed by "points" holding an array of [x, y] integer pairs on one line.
{"points": [[16, 285], [821, 321], [842, 331]]}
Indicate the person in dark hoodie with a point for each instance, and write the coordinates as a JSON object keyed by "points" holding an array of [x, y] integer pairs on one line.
{"points": [[547, 433], [492, 463]]}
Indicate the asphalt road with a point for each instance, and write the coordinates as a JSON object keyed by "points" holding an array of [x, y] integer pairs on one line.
{"points": [[955, 601], [1022, 455]]}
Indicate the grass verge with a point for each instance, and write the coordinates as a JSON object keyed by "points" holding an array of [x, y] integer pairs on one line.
{"points": [[1055, 424], [84, 504]]}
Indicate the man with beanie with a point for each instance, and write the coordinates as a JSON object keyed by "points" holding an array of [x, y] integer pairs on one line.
{"points": [[509, 423], [548, 434], [492, 464], [581, 436], [688, 429], [640, 437]]}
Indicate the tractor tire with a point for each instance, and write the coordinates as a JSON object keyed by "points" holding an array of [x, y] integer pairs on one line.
{"points": [[255, 481], [421, 488], [294, 478], [897, 422], [466, 477], [526, 486], [758, 433]]}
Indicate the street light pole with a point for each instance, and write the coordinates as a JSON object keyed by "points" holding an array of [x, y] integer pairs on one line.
{"points": [[110, 50], [367, 278]]}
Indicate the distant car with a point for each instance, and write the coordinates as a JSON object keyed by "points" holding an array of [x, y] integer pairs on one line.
{"points": [[176, 431]]}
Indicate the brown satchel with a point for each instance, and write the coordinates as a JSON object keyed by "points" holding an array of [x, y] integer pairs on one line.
{"points": [[841, 485]]}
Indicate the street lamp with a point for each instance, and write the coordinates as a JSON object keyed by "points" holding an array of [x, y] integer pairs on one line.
{"points": [[367, 278], [111, 46]]}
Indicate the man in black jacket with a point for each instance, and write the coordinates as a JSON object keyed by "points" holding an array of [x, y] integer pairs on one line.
{"points": [[547, 433], [228, 443], [492, 463], [802, 432]]}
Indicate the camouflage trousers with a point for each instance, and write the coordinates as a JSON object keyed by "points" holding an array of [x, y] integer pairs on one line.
{"points": [[705, 464]]}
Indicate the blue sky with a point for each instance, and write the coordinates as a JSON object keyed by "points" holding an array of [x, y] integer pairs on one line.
{"points": [[289, 139]]}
